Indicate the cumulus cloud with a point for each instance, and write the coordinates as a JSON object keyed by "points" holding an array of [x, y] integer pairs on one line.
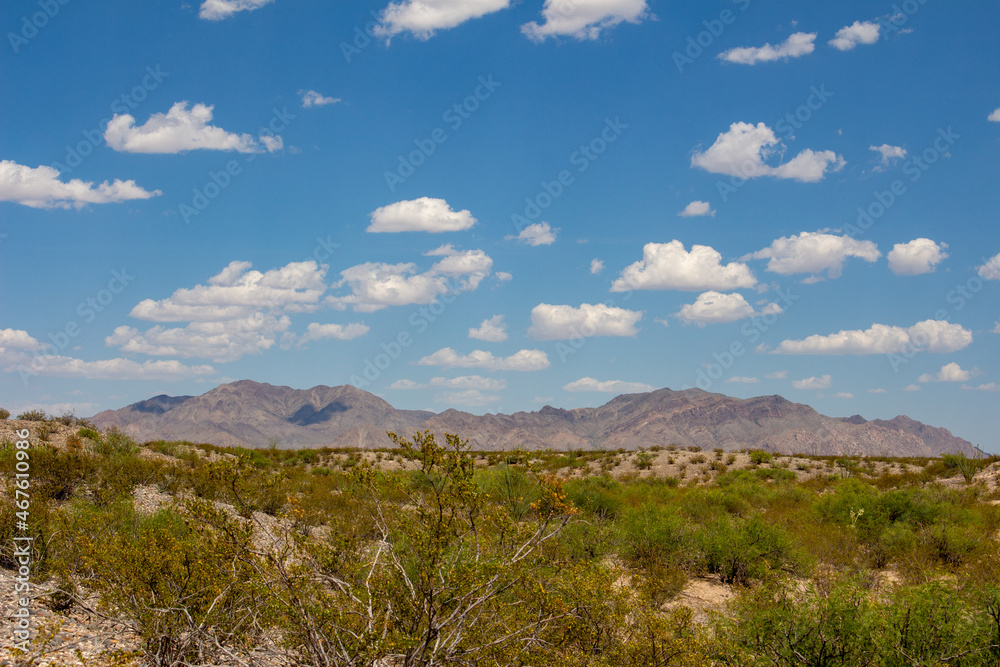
{"points": [[916, 257], [469, 382], [316, 331], [844, 394], [406, 385], [310, 98], [23, 354], [798, 44], [697, 208], [375, 285], [990, 270], [888, 155], [859, 32], [470, 397], [584, 19], [523, 360], [742, 380], [550, 322], [742, 152], [420, 215], [715, 308], [912, 387], [823, 382], [596, 266], [492, 330], [220, 341], [937, 336], [989, 386], [994, 116], [950, 373], [814, 252], [670, 266], [777, 375], [422, 18], [537, 234], [216, 10], [40, 187], [608, 386], [180, 129]]}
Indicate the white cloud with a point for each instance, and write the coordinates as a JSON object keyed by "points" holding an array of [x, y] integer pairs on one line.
{"points": [[406, 385], [504, 276], [608, 386], [742, 380], [930, 335], [991, 269], [777, 375], [714, 308], [950, 373], [798, 44], [239, 293], [743, 149], [844, 394], [670, 266], [912, 387], [994, 116], [221, 341], [916, 257], [423, 18], [550, 322], [823, 382], [524, 360], [535, 235], [375, 286], [848, 37], [310, 98], [877, 390], [888, 155], [469, 382], [316, 331], [814, 252], [178, 130], [20, 353], [697, 208], [40, 187], [493, 330], [216, 10], [596, 266], [989, 386], [472, 397], [420, 215], [584, 19]]}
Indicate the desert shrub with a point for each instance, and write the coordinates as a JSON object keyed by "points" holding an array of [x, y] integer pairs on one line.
{"points": [[744, 550], [698, 459], [114, 442], [33, 415], [644, 460], [760, 457], [775, 474], [598, 496], [655, 533], [510, 487], [4, 414], [952, 544]]}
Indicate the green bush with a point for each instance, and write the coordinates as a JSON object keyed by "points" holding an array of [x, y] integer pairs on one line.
{"points": [[33, 415], [741, 551], [760, 457], [4, 414]]}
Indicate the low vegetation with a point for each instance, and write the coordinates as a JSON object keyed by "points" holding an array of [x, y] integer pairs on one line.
{"points": [[430, 554]]}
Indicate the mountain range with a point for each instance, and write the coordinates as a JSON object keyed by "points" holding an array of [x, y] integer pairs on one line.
{"points": [[253, 414]]}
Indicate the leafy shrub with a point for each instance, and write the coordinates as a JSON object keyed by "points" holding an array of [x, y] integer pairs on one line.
{"points": [[759, 457], [115, 442], [33, 415], [654, 533], [4, 414], [644, 460], [596, 495], [744, 550]]}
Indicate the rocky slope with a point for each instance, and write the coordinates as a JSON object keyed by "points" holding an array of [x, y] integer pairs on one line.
{"points": [[252, 414]]}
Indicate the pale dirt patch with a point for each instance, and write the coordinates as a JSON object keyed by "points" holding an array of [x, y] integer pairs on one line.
{"points": [[702, 595]]}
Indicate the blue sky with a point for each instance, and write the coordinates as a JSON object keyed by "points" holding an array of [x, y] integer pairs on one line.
{"points": [[495, 206]]}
